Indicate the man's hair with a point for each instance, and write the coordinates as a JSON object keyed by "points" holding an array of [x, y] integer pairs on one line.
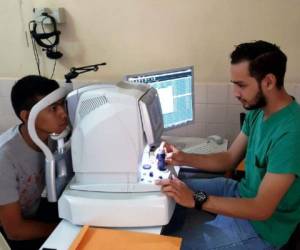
{"points": [[26, 92], [264, 58]]}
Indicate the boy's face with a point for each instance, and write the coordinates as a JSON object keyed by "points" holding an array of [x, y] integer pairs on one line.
{"points": [[52, 119]]}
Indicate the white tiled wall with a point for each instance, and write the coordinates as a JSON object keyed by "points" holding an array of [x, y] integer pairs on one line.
{"points": [[216, 110]]}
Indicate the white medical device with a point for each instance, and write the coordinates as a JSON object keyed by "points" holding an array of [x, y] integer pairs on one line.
{"points": [[114, 127]]}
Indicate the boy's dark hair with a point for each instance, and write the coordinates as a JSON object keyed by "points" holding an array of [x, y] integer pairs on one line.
{"points": [[264, 58], [25, 92]]}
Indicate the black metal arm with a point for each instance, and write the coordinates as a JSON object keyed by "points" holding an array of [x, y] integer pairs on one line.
{"points": [[74, 72]]}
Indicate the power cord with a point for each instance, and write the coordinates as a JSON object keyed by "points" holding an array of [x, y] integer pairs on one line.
{"points": [[50, 43], [35, 52]]}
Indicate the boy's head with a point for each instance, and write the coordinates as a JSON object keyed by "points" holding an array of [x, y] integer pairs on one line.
{"points": [[28, 91]]}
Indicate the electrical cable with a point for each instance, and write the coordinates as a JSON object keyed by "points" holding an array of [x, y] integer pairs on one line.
{"points": [[35, 52], [54, 66], [50, 43], [43, 28]]}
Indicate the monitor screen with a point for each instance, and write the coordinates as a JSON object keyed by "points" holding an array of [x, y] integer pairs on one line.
{"points": [[175, 90]]}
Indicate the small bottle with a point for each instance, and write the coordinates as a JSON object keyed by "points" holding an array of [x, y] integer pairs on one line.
{"points": [[161, 156]]}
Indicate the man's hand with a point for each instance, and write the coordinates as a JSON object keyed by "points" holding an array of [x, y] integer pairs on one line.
{"points": [[177, 190], [174, 156]]}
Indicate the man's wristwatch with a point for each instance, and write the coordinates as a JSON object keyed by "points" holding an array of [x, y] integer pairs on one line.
{"points": [[199, 197]]}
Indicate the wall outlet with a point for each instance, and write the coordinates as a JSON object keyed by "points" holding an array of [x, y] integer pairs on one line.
{"points": [[57, 13]]}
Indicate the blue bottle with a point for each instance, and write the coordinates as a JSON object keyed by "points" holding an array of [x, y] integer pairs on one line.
{"points": [[161, 156]]}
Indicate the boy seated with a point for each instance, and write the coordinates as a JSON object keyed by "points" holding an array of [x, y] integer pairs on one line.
{"points": [[22, 164]]}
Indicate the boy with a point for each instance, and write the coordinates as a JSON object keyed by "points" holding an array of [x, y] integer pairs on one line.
{"points": [[22, 164]]}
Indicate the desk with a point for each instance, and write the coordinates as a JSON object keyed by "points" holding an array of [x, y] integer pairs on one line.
{"points": [[64, 234]]}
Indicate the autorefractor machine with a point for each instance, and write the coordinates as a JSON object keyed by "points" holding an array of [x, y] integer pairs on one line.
{"points": [[114, 130]]}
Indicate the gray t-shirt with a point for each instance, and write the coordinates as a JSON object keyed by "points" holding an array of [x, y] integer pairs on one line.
{"points": [[21, 172]]}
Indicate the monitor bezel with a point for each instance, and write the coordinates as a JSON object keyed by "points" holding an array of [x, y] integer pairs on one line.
{"points": [[145, 74]]}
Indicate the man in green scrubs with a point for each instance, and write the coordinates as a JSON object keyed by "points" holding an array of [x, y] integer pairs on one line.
{"points": [[263, 209]]}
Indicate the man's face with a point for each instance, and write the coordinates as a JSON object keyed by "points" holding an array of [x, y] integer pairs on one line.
{"points": [[52, 119], [246, 88]]}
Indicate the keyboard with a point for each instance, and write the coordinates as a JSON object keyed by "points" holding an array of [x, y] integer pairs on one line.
{"points": [[206, 147]]}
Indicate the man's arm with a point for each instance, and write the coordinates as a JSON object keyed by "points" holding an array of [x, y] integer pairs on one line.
{"points": [[18, 228], [261, 207], [271, 191], [218, 162]]}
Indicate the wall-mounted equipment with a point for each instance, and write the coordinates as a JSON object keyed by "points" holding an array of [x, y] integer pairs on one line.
{"points": [[43, 31], [57, 13]]}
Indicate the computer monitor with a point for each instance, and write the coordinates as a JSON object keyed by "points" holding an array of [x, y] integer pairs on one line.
{"points": [[175, 88]]}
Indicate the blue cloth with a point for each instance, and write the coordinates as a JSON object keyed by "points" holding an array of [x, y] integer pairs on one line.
{"points": [[201, 230]]}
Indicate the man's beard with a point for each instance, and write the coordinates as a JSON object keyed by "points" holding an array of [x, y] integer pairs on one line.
{"points": [[260, 102]]}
